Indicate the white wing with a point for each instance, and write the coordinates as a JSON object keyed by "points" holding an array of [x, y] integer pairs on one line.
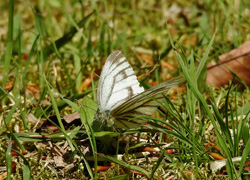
{"points": [[130, 114], [117, 83]]}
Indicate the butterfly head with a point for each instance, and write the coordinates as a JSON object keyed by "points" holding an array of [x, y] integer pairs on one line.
{"points": [[102, 120]]}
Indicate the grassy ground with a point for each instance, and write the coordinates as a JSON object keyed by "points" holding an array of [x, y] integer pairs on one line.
{"points": [[52, 53]]}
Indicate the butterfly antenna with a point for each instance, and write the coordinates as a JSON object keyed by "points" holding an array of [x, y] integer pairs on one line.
{"points": [[87, 107], [152, 70]]}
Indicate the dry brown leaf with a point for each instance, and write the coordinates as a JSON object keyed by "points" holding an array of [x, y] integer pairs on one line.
{"points": [[59, 161], [167, 65], [147, 58], [68, 167], [9, 86], [246, 168], [71, 117], [101, 168], [148, 149], [237, 61], [25, 56], [138, 173], [34, 90], [216, 156], [2, 176], [13, 167], [13, 153], [247, 163], [212, 144], [86, 83], [36, 123], [171, 151]]}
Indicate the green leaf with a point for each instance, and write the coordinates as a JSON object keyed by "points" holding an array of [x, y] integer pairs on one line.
{"points": [[73, 133], [131, 167], [9, 116], [245, 154], [60, 104], [157, 165], [102, 44], [243, 110], [90, 108], [202, 68], [245, 132], [9, 46], [204, 26], [26, 167], [140, 144], [105, 133], [121, 177], [67, 36], [77, 63], [91, 136], [8, 160], [39, 22], [201, 81]]}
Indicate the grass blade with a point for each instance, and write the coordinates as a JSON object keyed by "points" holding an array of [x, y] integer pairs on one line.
{"points": [[245, 155], [91, 136], [9, 116], [67, 37], [222, 141], [131, 167], [60, 104], [26, 166], [8, 160], [9, 48]]}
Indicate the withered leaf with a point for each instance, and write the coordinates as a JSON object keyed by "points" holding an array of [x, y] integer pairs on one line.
{"points": [[71, 117], [236, 61]]}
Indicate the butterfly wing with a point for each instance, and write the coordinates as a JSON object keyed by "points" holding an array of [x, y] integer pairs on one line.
{"points": [[143, 104], [117, 83]]}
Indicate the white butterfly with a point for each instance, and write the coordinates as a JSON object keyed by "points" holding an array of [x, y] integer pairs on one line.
{"points": [[122, 102]]}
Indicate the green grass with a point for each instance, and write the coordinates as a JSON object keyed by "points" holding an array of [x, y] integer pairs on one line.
{"points": [[57, 45]]}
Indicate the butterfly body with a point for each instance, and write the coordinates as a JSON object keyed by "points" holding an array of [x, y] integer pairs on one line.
{"points": [[105, 118], [122, 102]]}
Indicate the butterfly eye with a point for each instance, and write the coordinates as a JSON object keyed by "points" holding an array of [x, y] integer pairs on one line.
{"points": [[107, 112]]}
